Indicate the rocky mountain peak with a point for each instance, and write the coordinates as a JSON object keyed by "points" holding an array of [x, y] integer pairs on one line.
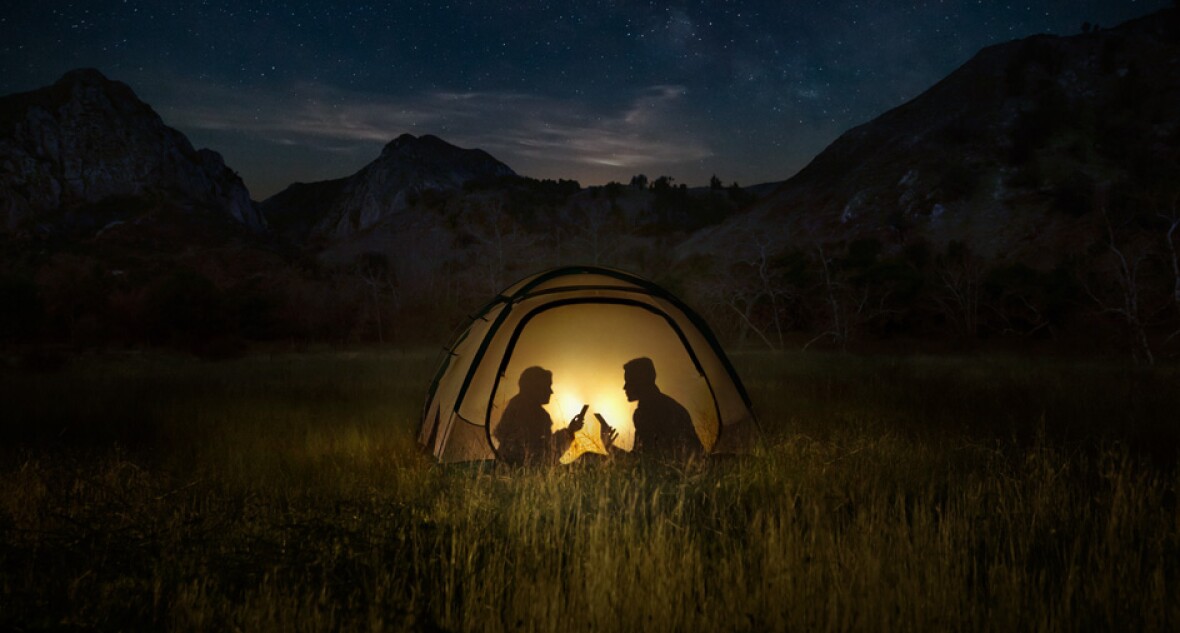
{"points": [[80, 77], [409, 141], [429, 153], [400, 142], [408, 165], [86, 140]]}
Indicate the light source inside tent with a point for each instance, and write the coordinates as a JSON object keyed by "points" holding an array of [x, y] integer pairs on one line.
{"points": [[585, 345]]}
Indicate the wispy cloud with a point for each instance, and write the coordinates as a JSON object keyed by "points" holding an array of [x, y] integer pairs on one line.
{"points": [[518, 128], [304, 114]]}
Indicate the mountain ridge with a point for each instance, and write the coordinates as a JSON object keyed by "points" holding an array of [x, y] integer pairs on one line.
{"points": [[407, 167], [1007, 153], [87, 140], [1000, 201]]}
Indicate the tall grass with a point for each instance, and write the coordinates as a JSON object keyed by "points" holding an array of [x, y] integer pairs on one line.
{"points": [[892, 494]]}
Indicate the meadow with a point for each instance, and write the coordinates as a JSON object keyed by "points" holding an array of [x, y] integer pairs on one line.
{"points": [[287, 492]]}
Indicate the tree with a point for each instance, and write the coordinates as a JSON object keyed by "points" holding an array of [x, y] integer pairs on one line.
{"points": [[188, 311], [373, 269], [501, 240], [756, 290], [739, 196], [961, 276], [1172, 223], [715, 183], [1024, 301], [613, 190], [639, 181], [74, 292], [1171, 235], [848, 304], [1124, 268], [597, 229]]}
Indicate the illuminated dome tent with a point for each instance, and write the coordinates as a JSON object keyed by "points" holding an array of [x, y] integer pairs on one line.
{"points": [[582, 324]]}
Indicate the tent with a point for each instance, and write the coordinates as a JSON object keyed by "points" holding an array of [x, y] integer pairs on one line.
{"points": [[582, 324]]}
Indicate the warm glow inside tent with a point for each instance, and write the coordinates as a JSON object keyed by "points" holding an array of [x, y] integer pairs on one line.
{"points": [[582, 324]]}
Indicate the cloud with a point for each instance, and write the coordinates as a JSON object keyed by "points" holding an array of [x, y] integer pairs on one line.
{"points": [[304, 114], [516, 127]]}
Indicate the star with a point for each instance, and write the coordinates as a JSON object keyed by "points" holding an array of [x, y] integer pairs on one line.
{"points": [[763, 86]]}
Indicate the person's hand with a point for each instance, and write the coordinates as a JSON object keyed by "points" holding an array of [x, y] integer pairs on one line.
{"points": [[609, 435], [577, 422]]}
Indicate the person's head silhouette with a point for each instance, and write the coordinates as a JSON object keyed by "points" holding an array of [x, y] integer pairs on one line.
{"points": [[536, 384], [639, 378]]}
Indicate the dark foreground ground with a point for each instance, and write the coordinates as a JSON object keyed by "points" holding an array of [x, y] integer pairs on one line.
{"points": [[286, 492]]}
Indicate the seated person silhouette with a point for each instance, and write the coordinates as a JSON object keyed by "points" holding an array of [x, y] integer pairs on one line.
{"points": [[524, 430], [663, 428]]}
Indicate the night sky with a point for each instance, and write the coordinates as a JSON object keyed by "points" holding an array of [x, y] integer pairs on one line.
{"points": [[594, 90]]}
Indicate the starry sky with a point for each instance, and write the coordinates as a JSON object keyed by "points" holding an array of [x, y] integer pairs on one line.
{"points": [[593, 90]]}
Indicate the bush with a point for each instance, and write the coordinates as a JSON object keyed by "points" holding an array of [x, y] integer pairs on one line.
{"points": [[1075, 196], [21, 312], [187, 311]]}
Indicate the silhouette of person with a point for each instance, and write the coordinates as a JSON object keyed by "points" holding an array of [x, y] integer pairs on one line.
{"points": [[524, 429], [663, 428]]}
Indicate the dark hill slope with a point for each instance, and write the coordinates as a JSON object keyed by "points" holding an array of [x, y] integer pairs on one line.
{"points": [[86, 151], [1015, 154]]}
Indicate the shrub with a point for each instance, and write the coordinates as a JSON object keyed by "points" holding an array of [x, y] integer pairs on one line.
{"points": [[21, 312]]}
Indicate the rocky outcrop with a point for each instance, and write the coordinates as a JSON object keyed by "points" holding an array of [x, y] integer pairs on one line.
{"points": [[87, 140], [407, 168]]}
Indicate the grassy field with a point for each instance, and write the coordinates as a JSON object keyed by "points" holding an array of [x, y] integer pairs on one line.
{"points": [[287, 492]]}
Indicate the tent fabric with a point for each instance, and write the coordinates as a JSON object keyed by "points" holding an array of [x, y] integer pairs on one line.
{"points": [[582, 324]]}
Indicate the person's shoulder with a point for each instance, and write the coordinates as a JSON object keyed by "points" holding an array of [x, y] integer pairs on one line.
{"points": [[670, 401]]}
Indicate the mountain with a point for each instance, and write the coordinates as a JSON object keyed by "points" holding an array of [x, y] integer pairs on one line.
{"points": [[1018, 154], [407, 168], [86, 151], [1030, 195]]}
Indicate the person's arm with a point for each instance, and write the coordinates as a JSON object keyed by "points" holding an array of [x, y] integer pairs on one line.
{"points": [[562, 438], [608, 435]]}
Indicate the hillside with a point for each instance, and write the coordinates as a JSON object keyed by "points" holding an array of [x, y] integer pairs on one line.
{"points": [[1030, 193], [86, 151], [1013, 154]]}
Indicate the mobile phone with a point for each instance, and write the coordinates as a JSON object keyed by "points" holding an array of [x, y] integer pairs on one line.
{"points": [[582, 413], [601, 420]]}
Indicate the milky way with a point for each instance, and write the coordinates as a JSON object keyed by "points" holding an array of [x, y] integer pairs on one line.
{"points": [[594, 91]]}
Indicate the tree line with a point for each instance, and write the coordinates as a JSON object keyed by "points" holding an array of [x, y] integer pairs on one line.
{"points": [[460, 248]]}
